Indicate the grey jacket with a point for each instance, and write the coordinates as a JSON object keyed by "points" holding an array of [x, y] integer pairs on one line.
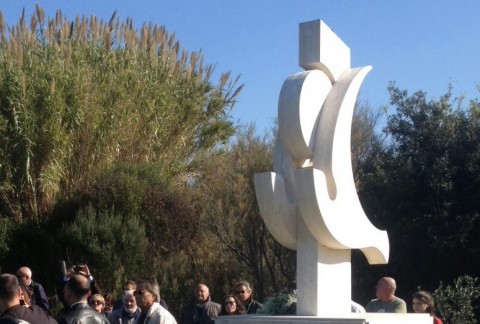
{"points": [[82, 314], [116, 317], [190, 313]]}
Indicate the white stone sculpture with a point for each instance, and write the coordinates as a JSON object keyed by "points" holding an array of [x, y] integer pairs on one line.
{"points": [[309, 203]]}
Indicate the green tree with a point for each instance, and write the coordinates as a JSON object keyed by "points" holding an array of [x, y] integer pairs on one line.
{"points": [[456, 302], [112, 244], [226, 179], [366, 143], [78, 96], [180, 252], [421, 189]]}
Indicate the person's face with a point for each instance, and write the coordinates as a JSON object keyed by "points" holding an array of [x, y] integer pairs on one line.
{"points": [[419, 306], [130, 304], [97, 304], [230, 305], [23, 278], [242, 293], [382, 290], [144, 297], [202, 293]]}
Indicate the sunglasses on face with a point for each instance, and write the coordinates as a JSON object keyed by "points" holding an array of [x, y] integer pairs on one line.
{"points": [[96, 302], [139, 292]]}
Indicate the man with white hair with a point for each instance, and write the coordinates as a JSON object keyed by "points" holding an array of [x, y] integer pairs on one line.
{"points": [[129, 311], [386, 301], [35, 290], [147, 296]]}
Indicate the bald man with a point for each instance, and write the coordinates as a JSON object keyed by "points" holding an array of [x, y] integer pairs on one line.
{"points": [[76, 293], [386, 301], [200, 309], [35, 290]]}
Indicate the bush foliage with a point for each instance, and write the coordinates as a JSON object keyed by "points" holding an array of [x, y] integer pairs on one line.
{"points": [[456, 303], [78, 96], [116, 149]]}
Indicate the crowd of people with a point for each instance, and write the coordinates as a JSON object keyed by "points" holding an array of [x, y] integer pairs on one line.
{"points": [[23, 300]]}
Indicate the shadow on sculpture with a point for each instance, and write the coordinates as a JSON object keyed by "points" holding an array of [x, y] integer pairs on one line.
{"points": [[309, 203]]}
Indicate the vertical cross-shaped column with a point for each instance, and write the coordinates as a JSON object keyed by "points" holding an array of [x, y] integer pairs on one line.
{"points": [[310, 202]]}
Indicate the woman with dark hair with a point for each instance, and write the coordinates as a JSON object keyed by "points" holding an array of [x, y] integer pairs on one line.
{"points": [[423, 303], [232, 306]]}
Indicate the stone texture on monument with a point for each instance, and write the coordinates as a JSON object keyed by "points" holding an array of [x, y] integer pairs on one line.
{"points": [[354, 318], [309, 202]]}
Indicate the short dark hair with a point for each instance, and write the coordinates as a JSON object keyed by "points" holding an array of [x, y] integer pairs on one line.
{"points": [[79, 285], [8, 286]]}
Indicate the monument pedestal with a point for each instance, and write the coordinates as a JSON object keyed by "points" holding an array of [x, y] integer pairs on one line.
{"points": [[353, 318]]}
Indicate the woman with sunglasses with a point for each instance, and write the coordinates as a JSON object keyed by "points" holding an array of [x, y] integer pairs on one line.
{"points": [[147, 296], [232, 306], [97, 302]]}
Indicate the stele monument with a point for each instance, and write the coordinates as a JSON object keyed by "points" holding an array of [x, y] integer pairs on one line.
{"points": [[310, 203]]}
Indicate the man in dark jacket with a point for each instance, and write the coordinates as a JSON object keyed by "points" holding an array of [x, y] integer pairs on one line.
{"points": [[35, 290], [10, 303], [245, 294], [76, 294], [200, 310]]}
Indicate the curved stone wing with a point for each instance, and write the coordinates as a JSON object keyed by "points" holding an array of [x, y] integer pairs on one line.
{"points": [[326, 194], [301, 99], [277, 211]]}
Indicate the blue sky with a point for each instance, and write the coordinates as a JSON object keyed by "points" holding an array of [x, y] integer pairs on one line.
{"points": [[421, 45]]}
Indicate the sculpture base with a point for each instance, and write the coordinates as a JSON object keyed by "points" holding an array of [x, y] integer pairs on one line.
{"points": [[354, 318]]}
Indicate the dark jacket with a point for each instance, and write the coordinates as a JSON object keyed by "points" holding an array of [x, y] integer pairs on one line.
{"points": [[252, 306], [32, 314], [39, 297], [81, 313], [191, 314]]}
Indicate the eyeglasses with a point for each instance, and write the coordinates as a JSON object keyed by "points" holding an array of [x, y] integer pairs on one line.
{"points": [[139, 292], [230, 302], [241, 291], [96, 302]]}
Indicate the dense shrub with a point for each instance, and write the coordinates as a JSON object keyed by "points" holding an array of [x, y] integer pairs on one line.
{"points": [[458, 303], [112, 244]]}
